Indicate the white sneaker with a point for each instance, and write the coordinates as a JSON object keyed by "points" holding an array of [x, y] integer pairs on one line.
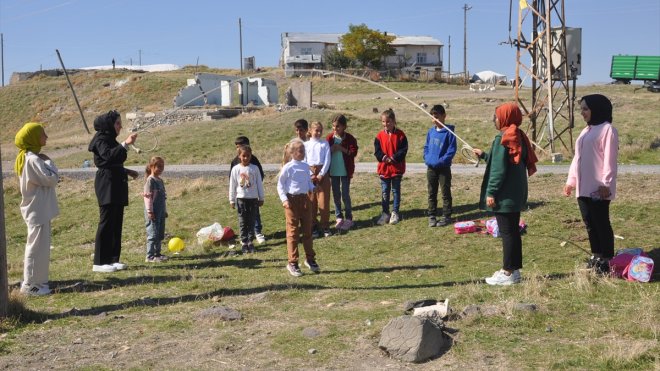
{"points": [[395, 218], [105, 268], [35, 290], [500, 278], [260, 238], [119, 266], [384, 219]]}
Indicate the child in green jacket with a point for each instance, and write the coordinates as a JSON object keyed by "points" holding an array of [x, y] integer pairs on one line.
{"points": [[504, 187]]}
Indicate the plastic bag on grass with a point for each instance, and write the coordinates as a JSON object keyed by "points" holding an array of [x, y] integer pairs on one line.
{"points": [[207, 236]]}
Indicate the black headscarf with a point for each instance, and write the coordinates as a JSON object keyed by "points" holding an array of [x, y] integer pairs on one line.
{"points": [[106, 122], [601, 108], [105, 129]]}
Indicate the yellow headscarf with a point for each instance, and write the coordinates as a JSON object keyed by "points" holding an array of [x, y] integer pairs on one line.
{"points": [[27, 139]]}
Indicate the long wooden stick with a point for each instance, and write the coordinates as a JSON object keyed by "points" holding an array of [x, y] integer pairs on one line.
{"points": [[72, 91]]}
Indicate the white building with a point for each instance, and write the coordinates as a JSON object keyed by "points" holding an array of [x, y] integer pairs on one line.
{"points": [[301, 51]]}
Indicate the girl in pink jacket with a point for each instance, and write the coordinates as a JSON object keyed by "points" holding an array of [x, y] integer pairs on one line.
{"points": [[593, 177]]}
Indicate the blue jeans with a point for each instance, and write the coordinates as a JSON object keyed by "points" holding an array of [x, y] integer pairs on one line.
{"points": [[394, 185], [340, 191], [155, 232]]}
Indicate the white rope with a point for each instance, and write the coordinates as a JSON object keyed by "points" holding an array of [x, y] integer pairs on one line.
{"points": [[466, 150]]}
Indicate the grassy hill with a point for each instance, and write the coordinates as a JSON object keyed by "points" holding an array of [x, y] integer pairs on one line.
{"points": [[48, 100]]}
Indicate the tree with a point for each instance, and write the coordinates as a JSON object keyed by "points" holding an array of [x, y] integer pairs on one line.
{"points": [[367, 46], [337, 59]]}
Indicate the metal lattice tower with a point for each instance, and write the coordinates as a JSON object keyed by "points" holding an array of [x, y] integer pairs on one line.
{"points": [[551, 71]]}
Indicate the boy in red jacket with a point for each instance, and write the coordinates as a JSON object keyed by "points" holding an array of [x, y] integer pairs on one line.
{"points": [[391, 147]]}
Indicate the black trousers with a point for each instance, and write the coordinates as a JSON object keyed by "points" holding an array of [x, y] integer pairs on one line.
{"points": [[508, 224], [439, 177], [107, 247], [247, 215], [596, 217]]}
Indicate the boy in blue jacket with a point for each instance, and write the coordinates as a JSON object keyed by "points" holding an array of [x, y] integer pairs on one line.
{"points": [[439, 151]]}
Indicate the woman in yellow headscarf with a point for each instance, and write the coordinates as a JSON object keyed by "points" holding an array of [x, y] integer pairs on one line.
{"points": [[38, 178]]}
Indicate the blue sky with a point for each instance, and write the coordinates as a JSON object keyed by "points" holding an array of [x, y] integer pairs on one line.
{"points": [[92, 33]]}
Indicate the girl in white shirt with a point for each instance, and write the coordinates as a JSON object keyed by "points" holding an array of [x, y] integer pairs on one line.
{"points": [[317, 156]]}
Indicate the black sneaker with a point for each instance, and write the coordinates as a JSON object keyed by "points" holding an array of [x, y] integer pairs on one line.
{"points": [[602, 266], [443, 221], [293, 269], [245, 249], [591, 263], [251, 248], [311, 264], [432, 221]]}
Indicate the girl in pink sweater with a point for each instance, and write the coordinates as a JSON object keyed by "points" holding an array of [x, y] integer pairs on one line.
{"points": [[593, 177]]}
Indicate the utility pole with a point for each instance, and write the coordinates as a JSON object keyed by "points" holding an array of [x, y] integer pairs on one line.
{"points": [[449, 57], [140, 56], [4, 280], [2, 57], [240, 41], [465, 71], [553, 65]]}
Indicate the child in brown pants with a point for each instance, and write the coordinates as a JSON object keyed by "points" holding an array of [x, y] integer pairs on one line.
{"points": [[293, 187]]}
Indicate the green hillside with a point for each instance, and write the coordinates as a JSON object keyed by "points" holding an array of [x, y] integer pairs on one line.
{"points": [[49, 100]]}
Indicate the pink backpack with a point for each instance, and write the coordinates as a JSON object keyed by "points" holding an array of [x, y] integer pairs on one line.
{"points": [[640, 269], [465, 227], [633, 265]]}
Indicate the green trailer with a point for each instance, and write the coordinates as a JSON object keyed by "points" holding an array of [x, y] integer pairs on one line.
{"points": [[626, 68]]}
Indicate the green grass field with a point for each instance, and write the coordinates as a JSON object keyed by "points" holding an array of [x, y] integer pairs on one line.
{"points": [[148, 317]]}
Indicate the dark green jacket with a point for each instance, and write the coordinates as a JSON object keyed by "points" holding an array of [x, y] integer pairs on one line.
{"points": [[504, 180]]}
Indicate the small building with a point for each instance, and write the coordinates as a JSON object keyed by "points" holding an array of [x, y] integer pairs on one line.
{"points": [[305, 51], [208, 89]]}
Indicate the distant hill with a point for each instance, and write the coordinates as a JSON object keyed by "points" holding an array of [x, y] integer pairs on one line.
{"points": [[48, 99]]}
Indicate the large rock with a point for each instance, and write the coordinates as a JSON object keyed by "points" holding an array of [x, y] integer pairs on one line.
{"points": [[413, 339]]}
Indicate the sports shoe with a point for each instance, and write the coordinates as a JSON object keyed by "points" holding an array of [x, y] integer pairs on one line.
{"points": [[500, 278], [244, 249], [311, 264], [347, 224], [432, 221], [105, 268], [35, 290], [261, 238], [119, 266], [293, 269], [591, 262], [443, 221], [395, 218], [516, 276], [339, 224], [316, 233], [602, 266], [327, 233], [150, 259], [162, 258], [384, 219], [251, 248]]}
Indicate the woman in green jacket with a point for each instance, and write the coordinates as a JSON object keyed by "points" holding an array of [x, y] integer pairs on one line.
{"points": [[504, 187]]}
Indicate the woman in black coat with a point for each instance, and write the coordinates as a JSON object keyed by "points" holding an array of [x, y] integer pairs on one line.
{"points": [[111, 186]]}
